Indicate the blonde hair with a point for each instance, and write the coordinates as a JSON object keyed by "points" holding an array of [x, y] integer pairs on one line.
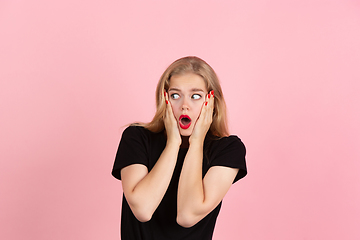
{"points": [[197, 66]]}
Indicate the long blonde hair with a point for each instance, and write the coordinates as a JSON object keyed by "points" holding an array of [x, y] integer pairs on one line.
{"points": [[197, 66]]}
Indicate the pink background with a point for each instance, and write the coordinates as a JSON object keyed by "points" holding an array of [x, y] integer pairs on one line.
{"points": [[73, 73]]}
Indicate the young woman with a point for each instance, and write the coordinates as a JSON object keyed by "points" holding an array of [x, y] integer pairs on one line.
{"points": [[176, 170]]}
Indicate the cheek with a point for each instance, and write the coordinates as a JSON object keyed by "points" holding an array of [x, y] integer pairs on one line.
{"points": [[172, 104], [174, 108], [198, 110]]}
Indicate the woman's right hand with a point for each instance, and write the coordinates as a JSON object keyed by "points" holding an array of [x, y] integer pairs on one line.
{"points": [[171, 126], [144, 189]]}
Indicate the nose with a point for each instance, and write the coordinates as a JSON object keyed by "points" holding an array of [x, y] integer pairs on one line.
{"points": [[185, 105]]}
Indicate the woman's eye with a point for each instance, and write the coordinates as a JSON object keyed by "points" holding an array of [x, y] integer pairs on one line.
{"points": [[196, 96], [175, 96]]}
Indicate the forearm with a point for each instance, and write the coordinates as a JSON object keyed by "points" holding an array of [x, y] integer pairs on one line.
{"points": [[146, 195], [191, 194]]}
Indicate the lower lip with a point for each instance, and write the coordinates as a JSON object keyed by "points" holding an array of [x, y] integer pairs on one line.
{"points": [[185, 126]]}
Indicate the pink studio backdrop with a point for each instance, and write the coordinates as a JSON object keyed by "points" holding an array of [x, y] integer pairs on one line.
{"points": [[72, 73]]}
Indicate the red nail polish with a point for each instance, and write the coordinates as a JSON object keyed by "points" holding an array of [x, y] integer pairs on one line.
{"points": [[206, 103], [167, 102], [164, 93], [212, 92], [209, 95]]}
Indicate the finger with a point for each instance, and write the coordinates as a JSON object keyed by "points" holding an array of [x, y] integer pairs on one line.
{"points": [[204, 107], [212, 100], [210, 105], [166, 97], [166, 105], [169, 111], [207, 99]]}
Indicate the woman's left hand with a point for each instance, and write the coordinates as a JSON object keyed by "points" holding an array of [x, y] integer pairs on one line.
{"points": [[204, 121]]}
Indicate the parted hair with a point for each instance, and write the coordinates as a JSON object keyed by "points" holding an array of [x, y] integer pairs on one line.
{"points": [[199, 67]]}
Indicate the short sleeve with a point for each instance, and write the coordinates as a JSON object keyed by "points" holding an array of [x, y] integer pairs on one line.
{"points": [[131, 150], [230, 152]]}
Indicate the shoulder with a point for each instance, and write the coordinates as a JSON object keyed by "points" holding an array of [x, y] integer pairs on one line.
{"points": [[231, 143], [135, 131], [134, 148], [228, 152], [232, 139]]}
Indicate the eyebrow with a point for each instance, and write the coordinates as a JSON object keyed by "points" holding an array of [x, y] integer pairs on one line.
{"points": [[192, 90]]}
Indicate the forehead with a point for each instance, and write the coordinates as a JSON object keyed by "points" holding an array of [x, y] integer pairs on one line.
{"points": [[187, 81]]}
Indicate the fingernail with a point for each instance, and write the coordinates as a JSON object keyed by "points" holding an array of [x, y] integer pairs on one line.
{"points": [[209, 95], [206, 103], [164, 93], [167, 102], [212, 92]]}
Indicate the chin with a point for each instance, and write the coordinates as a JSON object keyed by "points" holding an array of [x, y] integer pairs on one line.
{"points": [[185, 132]]}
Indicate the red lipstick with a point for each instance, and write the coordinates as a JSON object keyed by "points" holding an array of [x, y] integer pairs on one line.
{"points": [[184, 121]]}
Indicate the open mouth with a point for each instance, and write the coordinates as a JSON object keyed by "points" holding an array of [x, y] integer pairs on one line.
{"points": [[184, 121]]}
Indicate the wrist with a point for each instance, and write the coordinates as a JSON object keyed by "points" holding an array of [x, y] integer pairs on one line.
{"points": [[173, 143], [196, 142]]}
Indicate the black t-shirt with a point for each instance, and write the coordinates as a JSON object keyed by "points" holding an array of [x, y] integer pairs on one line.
{"points": [[140, 146]]}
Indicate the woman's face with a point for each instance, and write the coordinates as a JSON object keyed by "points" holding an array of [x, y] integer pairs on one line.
{"points": [[186, 95]]}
